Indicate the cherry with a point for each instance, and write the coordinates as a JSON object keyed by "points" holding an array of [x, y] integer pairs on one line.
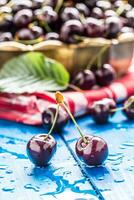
{"points": [[127, 29], [70, 13], [40, 149], [6, 21], [24, 34], [83, 9], [36, 4], [91, 3], [94, 152], [70, 29], [130, 18], [52, 36], [23, 17], [20, 5], [85, 79], [48, 117], [104, 5], [93, 27], [105, 75], [3, 2], [37, 31], [6, 36], [110, 13], [113, 26], [102, 110], [128, 108], [97, 13]]}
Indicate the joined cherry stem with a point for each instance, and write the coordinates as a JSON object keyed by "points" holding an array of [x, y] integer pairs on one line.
{"points": [[75, 123]]}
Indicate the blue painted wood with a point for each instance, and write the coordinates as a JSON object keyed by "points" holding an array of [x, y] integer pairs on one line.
{"points": [[115, 179], [20, 180]]}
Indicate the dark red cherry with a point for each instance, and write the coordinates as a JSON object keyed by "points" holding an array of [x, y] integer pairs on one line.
{"points": [[110, 13], [93, 27], [127, 29], [70, 29], [105, 75], [40, 149], [3, 2], [113, 26], [6, 36], [128, 108], [97, 13], [20, 5], [23, 17], [83, 9], [6, 22], [36, 4], [52, 36], [37, 31], [84, 79], [94, 152], [104, 5], [48, 117], [70, 13], [130, 18], [24, 34], [102, 110], [91, 4]]}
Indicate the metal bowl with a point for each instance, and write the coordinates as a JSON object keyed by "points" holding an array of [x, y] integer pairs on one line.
{"points": [[75, 57]]}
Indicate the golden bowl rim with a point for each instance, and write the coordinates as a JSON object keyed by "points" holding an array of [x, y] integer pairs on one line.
{"points": [[13, 46]]}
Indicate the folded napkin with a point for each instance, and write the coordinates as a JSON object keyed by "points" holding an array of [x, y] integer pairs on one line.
{"points": [[27, 108]]}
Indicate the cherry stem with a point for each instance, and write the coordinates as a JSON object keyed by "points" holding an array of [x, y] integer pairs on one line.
{"points": [[58, 5], [102, 50], [54, 121], [120, 10], [129, 102], [74, 121], [75, 88]]}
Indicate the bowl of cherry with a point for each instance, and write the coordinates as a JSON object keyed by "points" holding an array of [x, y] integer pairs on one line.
{"points": [[76, 33]]}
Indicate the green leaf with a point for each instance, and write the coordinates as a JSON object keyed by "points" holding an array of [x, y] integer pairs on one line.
{"points": [[33, 72]]}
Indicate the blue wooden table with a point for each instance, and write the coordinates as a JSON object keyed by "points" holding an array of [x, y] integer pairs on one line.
{"points": [[66, 178]]}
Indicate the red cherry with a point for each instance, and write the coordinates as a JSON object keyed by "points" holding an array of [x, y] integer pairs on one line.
{"points": [[40, 149], [94, 152]]}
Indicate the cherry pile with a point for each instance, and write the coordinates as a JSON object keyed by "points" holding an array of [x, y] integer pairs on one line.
{"points": [[38, 20]]}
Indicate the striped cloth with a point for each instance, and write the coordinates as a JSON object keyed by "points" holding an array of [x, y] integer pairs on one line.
{"points": [[27, 108]]}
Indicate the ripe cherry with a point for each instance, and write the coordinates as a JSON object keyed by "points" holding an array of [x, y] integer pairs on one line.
{"points": [[6, 36], [94, 152], [102, 110], [48, 117], [84, 79], [70, 13], [23, 17], [105, 75], [70, 29], [41, 148]]}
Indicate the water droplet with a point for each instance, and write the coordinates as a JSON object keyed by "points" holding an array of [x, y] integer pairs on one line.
{"points": [[30, 174], [12, 181], [128, 144], [1, 176], [115, 169], [119, 180], [30, 186], [3, 167], [8, 189], [9, 172], [100, 178]]}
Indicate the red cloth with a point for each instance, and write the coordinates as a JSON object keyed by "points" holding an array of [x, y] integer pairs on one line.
{"points": [[28, 108]]}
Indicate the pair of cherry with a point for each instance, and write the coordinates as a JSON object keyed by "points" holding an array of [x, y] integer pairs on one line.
{"points": [[90, 149]]}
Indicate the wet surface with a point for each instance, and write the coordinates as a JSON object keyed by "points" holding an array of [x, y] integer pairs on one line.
{"points": [[63, 178]]}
